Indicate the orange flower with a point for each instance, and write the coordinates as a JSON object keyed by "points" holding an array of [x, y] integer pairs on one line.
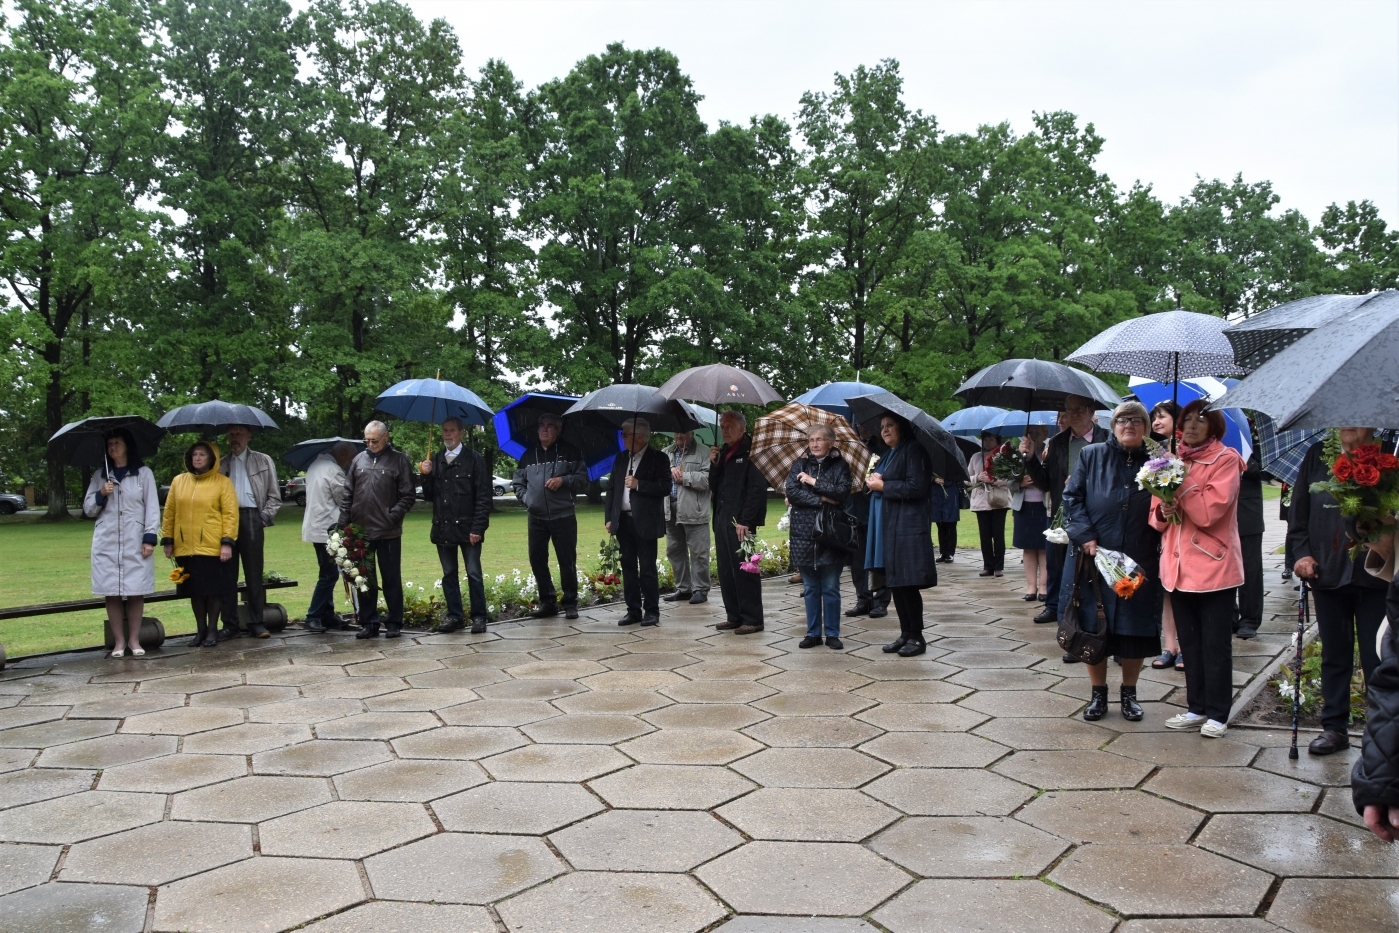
{"points": [[1127, 586]]}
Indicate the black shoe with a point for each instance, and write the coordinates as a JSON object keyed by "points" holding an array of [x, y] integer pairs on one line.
{"points": [[478, 626], [861, 608], [895, 645], [879, 612], [629, 619], [545, 611], [225, 633], [210, 641], [314, 625], [1131, 710], [677, 597], [259, 631], [945, 560], [1246, 632], [1046, 615], [650, 618], [450, 625], [986, 573], [1070, 659], [697, 598], [393, 631], [198, 641], [913, 647], [1097, 707], [834, 643], [1041, 597], [368, 631], [728, 625], [748, 629], [810, 641], [570, 612], [1329, 742], [1029, 597], [1286, 575]]}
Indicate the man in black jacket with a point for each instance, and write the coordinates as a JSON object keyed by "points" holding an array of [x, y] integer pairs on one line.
{"points": [[550, 477], [458, 484], [635, 510], [1249, 614], [378, 494], [740, 507]]}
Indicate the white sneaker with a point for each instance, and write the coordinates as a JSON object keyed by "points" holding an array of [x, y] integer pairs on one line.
{"points": [[1213, 729], [1186, 721]]}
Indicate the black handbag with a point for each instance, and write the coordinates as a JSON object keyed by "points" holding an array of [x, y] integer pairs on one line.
{"points": [[1088, 647], [835, 529]]}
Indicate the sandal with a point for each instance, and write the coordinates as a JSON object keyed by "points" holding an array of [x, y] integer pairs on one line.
{"points": [[138, 652], [117, 653], [1167, 659], [1180, 662]]}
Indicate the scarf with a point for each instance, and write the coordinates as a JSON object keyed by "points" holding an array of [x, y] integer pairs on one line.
{"points": [[1188, 453], [874, 537]]}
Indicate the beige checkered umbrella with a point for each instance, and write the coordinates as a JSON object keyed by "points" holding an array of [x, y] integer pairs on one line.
{"points": [[779, 438]]}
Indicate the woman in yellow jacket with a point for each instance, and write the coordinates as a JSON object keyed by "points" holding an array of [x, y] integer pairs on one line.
{"points": [[198, 531]]}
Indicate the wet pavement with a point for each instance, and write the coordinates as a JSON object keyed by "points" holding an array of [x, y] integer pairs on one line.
{"points": [[579, 777]]}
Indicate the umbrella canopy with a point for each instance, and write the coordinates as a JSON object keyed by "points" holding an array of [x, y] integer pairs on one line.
{"points": [[1263, 336], [214, 417], [968, 422], [1033, 385], [945, 451], [302, 455], [433, 401], [779, 438], [720, 384], [1236, 430], [1167, 346], [1013, 423], [832, 395], [84, 443], [1339, 375], [615, 404], [517, 423], [1280, 453]]}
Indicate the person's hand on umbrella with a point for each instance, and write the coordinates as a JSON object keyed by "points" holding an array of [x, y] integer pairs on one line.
{"points": [[425, 467], [1305, 568], [630, 482], [714, 454], [107, 488], [677, 475]]}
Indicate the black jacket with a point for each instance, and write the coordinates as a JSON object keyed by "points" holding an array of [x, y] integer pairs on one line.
{"points": [[1375, 777], [460, 493], [909, 558], [739, 490], [1316, 529], [378, 493], [1053, 472], [1251, 498], [832, 481], [647, 499]]}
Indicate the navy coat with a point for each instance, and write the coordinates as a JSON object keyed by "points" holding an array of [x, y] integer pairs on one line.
{"points": [[944, 501], [909, 558], [832, 481]]}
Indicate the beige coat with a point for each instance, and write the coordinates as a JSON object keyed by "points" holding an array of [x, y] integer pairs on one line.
{"points": [[262, 477]]}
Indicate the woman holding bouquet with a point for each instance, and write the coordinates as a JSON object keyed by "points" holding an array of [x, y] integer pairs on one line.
{"points": [[198, 531], [1202, 565], [819, 479], [1104, 508], [900, 542], [990, 497], [1027, 501]]}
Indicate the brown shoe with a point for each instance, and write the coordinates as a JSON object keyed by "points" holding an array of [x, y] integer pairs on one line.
{"points": [[728, 624], [748, 629]]}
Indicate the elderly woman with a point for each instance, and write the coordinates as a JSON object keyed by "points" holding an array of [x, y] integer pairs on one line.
{"points": [[200, 526], [990, 502], [818, 479], [1202, 565], [900, 544], [122, 497], [1031, 520], [1104, 508]]}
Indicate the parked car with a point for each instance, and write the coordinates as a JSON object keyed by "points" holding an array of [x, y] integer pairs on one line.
{"points": [[12, 502], [500, 486], [295, 489]]}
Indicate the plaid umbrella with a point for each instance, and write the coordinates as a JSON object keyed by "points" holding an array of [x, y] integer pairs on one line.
{"points": [[1280, 453], [779, 438]]}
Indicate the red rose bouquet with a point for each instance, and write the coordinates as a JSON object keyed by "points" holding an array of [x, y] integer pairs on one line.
{"points": [[1007, 463], [1365, 484]]}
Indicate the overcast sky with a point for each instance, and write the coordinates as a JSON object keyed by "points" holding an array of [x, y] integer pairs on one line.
{"points": [[1305, 95]]}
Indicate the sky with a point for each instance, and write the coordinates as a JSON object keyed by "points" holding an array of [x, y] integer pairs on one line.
{"points": [[1302, 94]]}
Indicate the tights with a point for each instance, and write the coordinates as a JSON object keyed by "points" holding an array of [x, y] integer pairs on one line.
{"points": [[908, 603], [206, 613]]}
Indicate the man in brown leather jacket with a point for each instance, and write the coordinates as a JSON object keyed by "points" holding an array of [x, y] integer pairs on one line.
{"points": [[378, 494]]}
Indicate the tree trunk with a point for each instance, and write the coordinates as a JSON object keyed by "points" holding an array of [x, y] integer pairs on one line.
{"points": [[53, 418]]}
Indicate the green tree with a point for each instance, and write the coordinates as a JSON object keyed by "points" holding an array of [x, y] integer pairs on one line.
{"points": [[1362, 253]]}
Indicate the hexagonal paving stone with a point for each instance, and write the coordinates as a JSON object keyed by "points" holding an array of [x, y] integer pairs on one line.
{"points": [[319, 758], [37, 784], [252, 896], [645, 840], [239, 697], [415, 780], [794, 925], [1200, 925], [968, 847], [805, 814], [587, 729], [1076, 770], [1108, 816], [398, 667], [1327, 770], [922, 717], [1234, 790], [307, 710], [1333, 905], [704, 716], [123, 706], [690, 747], [985, 659], [1292, 844], [1183, 750], [812, 732], [720, 691], [1340, 805], [949, 792], [352, 688], [1022, 703], [816, 681], [810, 767], [182, 720], [934, 749], [831, 878], [158, 854], [555, 763], [173, 773], [462, 868], [419, 700], [48, 734], [975, 906], [529, 689], [108, 751], [915, 691], [376, 726], [497, 713], [612, 702], [555, 670], [1004, 679], [23, 866], [631, 680], [75, 908], [87, 815], [1044, 734], [595, 902], [1162, 880], [507, 807], [729, 669], [399, 917], [348, 829], [293, 675], [671, 787], [924, 671], [247, 739], [813, 704], [29, 715], [249, 799], [198, 683]]}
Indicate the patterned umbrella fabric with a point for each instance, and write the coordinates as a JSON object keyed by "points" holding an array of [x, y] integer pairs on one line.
{"points": [[779, 438], [1263, 336], [1167, 346], [1280, 453]]}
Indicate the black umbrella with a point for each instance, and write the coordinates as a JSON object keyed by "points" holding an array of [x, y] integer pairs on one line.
{"points": [[83, 443], [215, 417], [1265, 335], [302, 455], [720, 384], [1033, 385], [615, 404], [517, 426], [943, 449]]}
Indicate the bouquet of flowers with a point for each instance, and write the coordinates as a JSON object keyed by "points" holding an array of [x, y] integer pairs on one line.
{"points": [[1007, 463], [1120, 571], [1161, 476], [752, 557], [1055, 533], [178, 574], [349, 549], [1365, 485]]}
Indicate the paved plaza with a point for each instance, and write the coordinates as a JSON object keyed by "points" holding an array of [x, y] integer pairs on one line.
{"points": [[584, 778]]}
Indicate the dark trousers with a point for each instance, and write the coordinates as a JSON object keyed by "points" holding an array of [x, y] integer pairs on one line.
{"points": [[908, 603], [947, 539], [860, 576], [992, 526], [1344, 615], [563, 532], [386, 572], [742, 591], [1250, 614], [323, 596], [247, 550], [451, 583], [640, 586], [1054, 555], [1204, 627]]}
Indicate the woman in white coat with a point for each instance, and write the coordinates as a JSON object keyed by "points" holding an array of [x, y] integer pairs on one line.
{"points": [[122, 496]]}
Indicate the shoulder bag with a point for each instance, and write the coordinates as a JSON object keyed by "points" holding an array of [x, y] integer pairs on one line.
{"points": [[835, 527], [1088, 647]]}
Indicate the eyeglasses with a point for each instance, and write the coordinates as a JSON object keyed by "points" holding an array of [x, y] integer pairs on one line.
{"points": [[1076, 411], [1124, 421]]}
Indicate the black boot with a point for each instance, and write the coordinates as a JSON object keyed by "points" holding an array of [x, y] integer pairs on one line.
{"points": [[1097, 707], [1131, 709]]}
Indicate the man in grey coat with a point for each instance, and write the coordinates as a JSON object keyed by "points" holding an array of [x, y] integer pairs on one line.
{"points": [[687, 519], [254, 478]]}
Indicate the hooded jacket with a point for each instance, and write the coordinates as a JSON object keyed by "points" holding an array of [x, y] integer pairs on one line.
{"points": [[537, 467], [201, 511], [126, 520]]}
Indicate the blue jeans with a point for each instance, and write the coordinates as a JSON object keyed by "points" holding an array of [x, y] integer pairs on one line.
{"points": [[323, 596], [451, 584], [821, 590]]}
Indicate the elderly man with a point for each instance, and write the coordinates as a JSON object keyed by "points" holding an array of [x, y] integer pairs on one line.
{"points": [[254, 478], [457, 482], [325, 494], [635, 510], [550, 476], [378, 494], [687, 519], [739, 493]]}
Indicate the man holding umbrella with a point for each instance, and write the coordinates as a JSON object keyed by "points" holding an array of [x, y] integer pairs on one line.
{"points": [[457, 482], [378, 494], [551, 474], [739, 491], [635, 512], [254, 478]]}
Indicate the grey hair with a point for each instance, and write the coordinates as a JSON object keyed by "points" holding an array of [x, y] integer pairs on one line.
{"points": [[378, 427], [454, 420], [550, 416], [822, 429], [636, 424], [342, 449], [1132, 407], [732, 413]]}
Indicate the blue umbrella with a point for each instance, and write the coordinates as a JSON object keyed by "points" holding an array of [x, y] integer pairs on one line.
{"points": [[1236, 431], [969, 422], [516, 423], [1013, 423], [433, 401], [831, 396]]}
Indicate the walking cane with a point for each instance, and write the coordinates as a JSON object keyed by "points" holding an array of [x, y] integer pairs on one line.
{"points": [[1303, 616]]}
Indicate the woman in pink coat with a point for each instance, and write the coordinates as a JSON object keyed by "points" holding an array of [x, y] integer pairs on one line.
{"points": [[1201, 566]]}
